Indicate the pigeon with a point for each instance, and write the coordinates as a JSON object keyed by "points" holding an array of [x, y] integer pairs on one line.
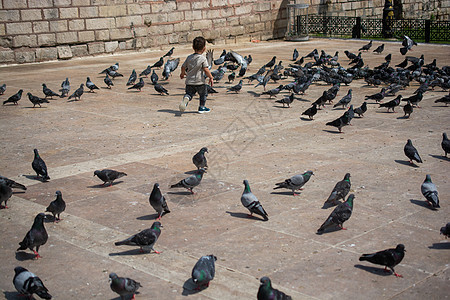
{"points": [[169, 67], [361, 110], [310, 112], [11, 183], [211, 90], [132, 78], [2, 89], [27, 284], [144, 239], [249, 200], [39, 166], [408, 109], [114, 67], [36, 236], [403, 64], [14, 98], [338, 123], [36, 100], [388, 57], [446, 230], [378, 96], [321, 100], [411, 152], [273, 92], [345, 100], [169, 53], [366, 47], [108, 81], [407, 44], [295, 182], [415, 99], [312, 54], [204, 271], [445, 99], [199, 159], [5, 194], [271, 63], [154, 77], [48, 92], [139, 85], [340, 190], [429, 191], [108, 176], [56, 207], [113, 74], [287, 100], [78, 92], [379, 49], [191, 181], [145, 73], [157, 64], [265, 79], [348, 115], [350, 55], [158, 202], [387, 258], [231, 77], [160, 89], [392, 104], [445, 144], [295, 55], [267, 292], [123, 286], [65, 88], [236, 88], [90, 85], [339, 215]]}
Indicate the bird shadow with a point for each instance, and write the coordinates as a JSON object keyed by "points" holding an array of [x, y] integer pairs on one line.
{"points": [[332, 131], [254, 94], [306, 119], [302, 99], [191, 172], [440, 246], [130, 252], [49, 218], [189, 288], [101, 185], [186, 193], [18, 192], [339, 108], [243, 216], [440, 157], [330, 230], [148, 217], [280, 106], [422, 203], [34, 177], [35, 107], [23, 256], [373, 270], [439, 106], [406, 163], [287, 193], [176, 113], [13, 295], [403, 117]]}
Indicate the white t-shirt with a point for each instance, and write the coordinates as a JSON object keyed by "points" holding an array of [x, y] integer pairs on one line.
{"points": [[194, 65]]}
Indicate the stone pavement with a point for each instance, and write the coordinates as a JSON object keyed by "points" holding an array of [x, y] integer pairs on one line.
{"points": [[249, 136]]}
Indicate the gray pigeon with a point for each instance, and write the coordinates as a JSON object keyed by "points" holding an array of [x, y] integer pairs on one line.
{"points": [[108, 81], [160, 89], [48, 92], [191, 181], [78, 93], [295, 182], [36, 236], [90, 85], [446, 230], [154, 77], [249, 200], [36, 100], [5, 194], [429, 191], [123, 286], [204, 271], [286, 100], [27, 284], [158, 202], [338, 123], [445, 144], [108, 176], [199, 159], [169, 67], [144, 239], [39, 166], [361, 110], [2, 89], [11, 183], [267, 292], [65, 88], [345, 101], [236, 88], [132, 78], [339, 215], [139, 85], [411, 152], [56, 207], [340, 190]]}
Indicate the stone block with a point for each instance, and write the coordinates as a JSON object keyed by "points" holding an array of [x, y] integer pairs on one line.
{"points": [[51, 13], [45, 54], [252, 19], [221, 22], [141, 31], [46, 39], [100, 23], [211, 14], [175, 16], [42, 26], [235, 2], [233, 21], [226, 12], [102, 35], [2, 29], [163, 7], [262, 6], [201, 24], [9, 15], [346, 6], [81, 2], [40, 3], [193, 15], [14, 4], [112, 11], [88, 12], [120, 33], [25, 56], [123, 45], [6, 55], [173, 38], [68, 12], [219, 3], [183, 6], [111, 46], [29, 40], [126, 21], [266, 17], [95, 48], [64, 52], [70, 37], [138, 9], [86, 36], [6, 42], [58, 26], [155, 18], [76, 25], [30, 14], [79, 50], [182, 26], [161, 29], [62, 2], [200, 4], [19, 28]]}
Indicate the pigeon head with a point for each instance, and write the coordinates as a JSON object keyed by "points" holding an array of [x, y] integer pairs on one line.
{"points": [[204, 149], [156, 186], [36, 153], [58, 193], [428, 178], [19, 270], [308, 173], [347, 176], [156, 225], [350, 200], [444, 135], [88, 79], [44, 85], [112, 276], [96, 172], [201, 171], [400, 247], [409, 142], [265, 281]]}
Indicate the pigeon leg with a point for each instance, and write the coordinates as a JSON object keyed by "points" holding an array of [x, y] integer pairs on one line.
{"points": [[159, 217], [133, 298], [141, 250], [157, 252], [192, 192], [37, 255], [250, 215], [296, 194]]}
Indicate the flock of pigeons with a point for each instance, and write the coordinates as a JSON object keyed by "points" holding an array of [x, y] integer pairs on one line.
{"points": [[323, 67]]}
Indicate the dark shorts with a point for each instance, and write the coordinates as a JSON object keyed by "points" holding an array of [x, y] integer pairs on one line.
{"points": [[202, 91]]}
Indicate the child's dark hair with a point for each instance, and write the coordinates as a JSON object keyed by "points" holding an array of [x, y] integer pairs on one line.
{"points": [[199, 43]]}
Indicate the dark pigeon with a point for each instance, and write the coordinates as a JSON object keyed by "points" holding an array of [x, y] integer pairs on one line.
{"points": [[231, 77], [411, 152], [345, 101], [429, 191], [295, 55], [154, 77], [169, 53], [366, 47], [361, 110], [27, 284], [311, 112], [145, 73], [287, 100], [56, 207], [139, 85], [160, 89], [2, 89], [78, 93], [108, 81], [271, 63], [249, 200], [339, 215], [108, 175], [350, 55], [36, 100], [379, 49], [414, 99], [408, 109], [11, 183], [340, 190], [123, 286], [191, 181], [114, 67], [90, 85], [388, 57], [273, 92], [204, 271], [445, 99], [445, 144], [403, 64], [5, 194], [267, 292], [388, 258], [158, 64], [199, 159], [39, 166], [392, 104], [14, 98], [144, 239], [378, 96], [48, 92], [338, 123], [446, 230], [35, 237], [132, 78], [294, 183], [236, 88], [158, 202]]}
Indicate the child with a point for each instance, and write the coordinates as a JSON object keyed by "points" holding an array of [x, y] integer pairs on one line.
{"points": [[194, 68]]}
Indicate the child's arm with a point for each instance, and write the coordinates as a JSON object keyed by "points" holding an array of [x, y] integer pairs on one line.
{"points": [[183, 72], [209, 75]]}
